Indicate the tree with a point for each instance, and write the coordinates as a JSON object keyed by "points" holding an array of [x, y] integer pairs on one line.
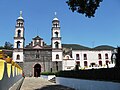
{"points": [[76, 67], [87, 7], [117, 62], [1, 47], [8, 45]]}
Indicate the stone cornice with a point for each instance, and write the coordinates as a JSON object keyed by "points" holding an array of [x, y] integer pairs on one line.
{"points": [[56, 38], [19, 38]]}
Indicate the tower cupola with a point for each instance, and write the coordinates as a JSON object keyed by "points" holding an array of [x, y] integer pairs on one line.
{"points": [[20, 21], [55, 22]]}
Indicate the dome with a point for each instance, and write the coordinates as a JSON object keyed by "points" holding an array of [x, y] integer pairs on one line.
{"points": [[20, 17], [55, 19]]}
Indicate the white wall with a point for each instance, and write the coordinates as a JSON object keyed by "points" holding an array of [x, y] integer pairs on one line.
{"points": [[15, 55], [54, 53], [21, 44], [22, 32], [92, 56], [53, 43], [69, 64], [56, 30]]}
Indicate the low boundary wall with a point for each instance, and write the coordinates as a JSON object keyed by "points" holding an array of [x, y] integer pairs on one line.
{"points": [[9, 75], [48, 77]]}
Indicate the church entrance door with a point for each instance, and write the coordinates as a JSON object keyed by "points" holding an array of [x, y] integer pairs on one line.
{"points": [[37, 70]]}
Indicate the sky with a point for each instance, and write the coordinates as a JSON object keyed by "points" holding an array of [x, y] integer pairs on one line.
{"points": [[103, 29]]}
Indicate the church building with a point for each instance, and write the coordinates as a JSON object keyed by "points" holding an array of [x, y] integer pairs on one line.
{"points": [[37, 56]]}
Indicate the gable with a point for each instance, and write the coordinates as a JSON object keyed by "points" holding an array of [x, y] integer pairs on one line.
{"points": [[37, 47]]}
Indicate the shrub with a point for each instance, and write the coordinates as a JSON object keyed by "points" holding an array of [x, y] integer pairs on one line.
{"points": [[105, 74], [48, 73]]}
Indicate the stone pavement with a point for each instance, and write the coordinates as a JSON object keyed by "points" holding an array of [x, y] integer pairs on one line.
{"points": [[32, 83]]}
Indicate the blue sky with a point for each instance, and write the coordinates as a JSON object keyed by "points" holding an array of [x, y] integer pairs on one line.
{"points": [[103, 29]]}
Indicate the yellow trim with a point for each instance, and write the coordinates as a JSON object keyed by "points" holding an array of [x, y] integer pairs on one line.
{"points": [[21, 71], [8, 59], [2, 66], [16, 71], [8, 69], [13, 71], [13, 63]]}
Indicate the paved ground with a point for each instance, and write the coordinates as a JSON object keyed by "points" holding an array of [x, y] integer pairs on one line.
{"points": [[32, 83]]}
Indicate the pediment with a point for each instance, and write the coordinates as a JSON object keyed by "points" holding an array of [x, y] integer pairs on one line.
{"points": [[37, 47]]}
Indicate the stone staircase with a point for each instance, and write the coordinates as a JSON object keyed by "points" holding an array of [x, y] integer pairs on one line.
{"points": [[53, 80]]}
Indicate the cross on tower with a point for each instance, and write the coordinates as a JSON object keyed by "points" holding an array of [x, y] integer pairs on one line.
{"points": [[55, 14], [20, 13]]}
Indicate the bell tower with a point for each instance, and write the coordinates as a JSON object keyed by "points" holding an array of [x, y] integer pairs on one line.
{"points": [[56, 44], [19, 39], [56, 38]]}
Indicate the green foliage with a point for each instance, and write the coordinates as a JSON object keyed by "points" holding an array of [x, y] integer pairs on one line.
{"points": [[87, 7], [8, 45], [1, 47], [105, 74], [48, 73], [7, 48]]}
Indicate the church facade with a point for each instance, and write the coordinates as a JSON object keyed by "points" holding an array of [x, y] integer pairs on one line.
{"points": [[39, 57]]}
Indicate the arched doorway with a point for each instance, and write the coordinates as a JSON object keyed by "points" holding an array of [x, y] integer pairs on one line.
{"points": [[37, 70], [85, 63]]}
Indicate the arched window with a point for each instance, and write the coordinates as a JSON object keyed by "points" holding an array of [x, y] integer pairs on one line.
{"points": [[100, 63], [18, 57], [99, 56], [57, 56], [106, 56], [77, 57], [21, 24], [85, 56], [85, 63], [56, 45], [107, 62], [37, 54], [18, 23], [56, 25], [19, 33], [18, 44], [56, 34]]}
